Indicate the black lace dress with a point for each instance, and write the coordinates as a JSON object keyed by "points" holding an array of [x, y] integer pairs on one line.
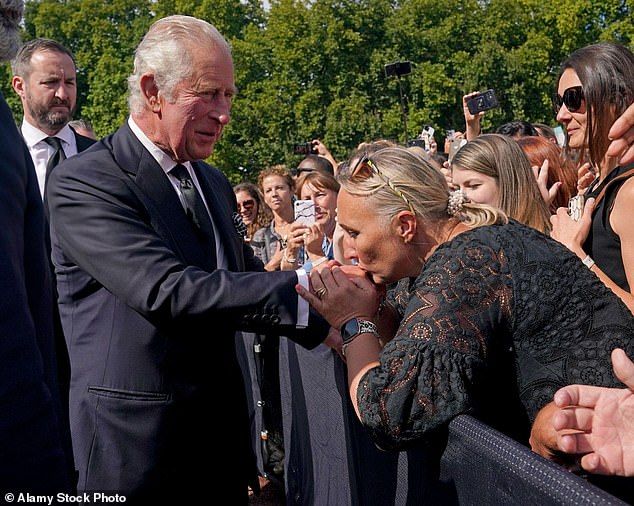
{"points": [[498, 319]]}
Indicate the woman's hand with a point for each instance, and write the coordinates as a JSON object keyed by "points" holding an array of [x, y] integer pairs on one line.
{"points": [[570, 233], [472, 121], [275, 263], [541, 176], [584, 178], [340, 293], [313, 239], [295, 239]]}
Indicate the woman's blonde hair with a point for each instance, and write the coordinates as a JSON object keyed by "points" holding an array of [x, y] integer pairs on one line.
{"points": [[501, 157], [423, 189]]}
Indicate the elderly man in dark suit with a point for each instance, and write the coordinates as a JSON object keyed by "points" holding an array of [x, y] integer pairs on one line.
{"points": [[152, 288], [32, 457]]}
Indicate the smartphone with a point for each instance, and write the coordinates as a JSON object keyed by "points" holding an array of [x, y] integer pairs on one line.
{"points": [[305, 211], [482, 102], [454, 146], [428, 130], [560, 135], [575, 207], [303, 148]]}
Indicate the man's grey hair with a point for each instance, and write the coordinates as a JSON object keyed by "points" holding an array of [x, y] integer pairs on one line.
{"points": [[11, 12], [165, 52]]}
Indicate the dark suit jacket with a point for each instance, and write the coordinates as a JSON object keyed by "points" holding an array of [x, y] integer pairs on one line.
{"points": [[31, 452], [61, 352], [156, 389], [83, 142]]}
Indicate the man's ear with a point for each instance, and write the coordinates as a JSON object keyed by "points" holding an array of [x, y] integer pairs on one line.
{"points": [[18, 85], [406, 226], [150, 92]]}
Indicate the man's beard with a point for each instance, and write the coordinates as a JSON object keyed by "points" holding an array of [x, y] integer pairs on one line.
{"points": [[10, 18], [43, 116]]}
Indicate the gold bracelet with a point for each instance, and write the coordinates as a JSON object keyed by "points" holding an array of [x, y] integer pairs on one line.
{"points": [[289, 260]]}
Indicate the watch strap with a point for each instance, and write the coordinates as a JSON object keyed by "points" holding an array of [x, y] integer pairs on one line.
{"points": [[363, 327]]}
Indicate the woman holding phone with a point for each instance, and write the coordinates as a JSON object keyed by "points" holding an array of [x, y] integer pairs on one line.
{"points": [[595, 86]]}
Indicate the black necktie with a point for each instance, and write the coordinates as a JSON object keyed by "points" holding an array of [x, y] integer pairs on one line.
{"points": [[58, 155], [195, 207]]}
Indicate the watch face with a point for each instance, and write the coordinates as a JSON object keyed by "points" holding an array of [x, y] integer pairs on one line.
{"points": [[350, 329]]}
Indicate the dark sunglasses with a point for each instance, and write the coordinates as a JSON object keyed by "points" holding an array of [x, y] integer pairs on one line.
{"points": [[364, 168], [247, 203], [297, 171], [573, 98]]}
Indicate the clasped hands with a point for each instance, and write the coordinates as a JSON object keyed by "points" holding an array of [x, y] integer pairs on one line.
{"points": [[342, 292]]}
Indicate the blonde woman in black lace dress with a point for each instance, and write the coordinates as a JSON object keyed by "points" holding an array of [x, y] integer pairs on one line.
{"points": [[490, 317]]}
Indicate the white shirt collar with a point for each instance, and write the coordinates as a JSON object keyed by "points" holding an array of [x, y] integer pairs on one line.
{"points": [[33, 135], [157, 153]]}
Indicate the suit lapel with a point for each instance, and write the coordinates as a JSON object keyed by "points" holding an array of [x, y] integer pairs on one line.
{"points": [[83, 142], [221, 205], [153, 187]]}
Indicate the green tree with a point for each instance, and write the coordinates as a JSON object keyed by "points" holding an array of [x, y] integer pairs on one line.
{"points": [[315, 69]]}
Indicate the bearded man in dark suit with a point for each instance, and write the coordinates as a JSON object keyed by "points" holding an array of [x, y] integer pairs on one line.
{"points": [[45, 79], [152, 289]]}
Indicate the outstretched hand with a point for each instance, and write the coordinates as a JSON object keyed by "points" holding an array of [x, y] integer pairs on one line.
{"points": [[604, 419]]}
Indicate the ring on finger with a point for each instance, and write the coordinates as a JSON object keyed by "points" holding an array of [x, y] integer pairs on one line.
{"points": [[320, 292]]}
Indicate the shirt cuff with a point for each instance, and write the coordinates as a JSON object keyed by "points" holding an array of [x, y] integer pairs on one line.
{"points": [[302, 304]]}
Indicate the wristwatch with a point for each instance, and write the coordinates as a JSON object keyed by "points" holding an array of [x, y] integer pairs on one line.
{"points": [[352, 328]]}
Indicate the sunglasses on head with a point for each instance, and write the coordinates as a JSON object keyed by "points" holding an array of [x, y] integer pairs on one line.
{"points": [[364, 168], [572, 98]]}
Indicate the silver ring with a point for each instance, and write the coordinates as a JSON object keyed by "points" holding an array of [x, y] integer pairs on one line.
{"points": [[320, 293]]}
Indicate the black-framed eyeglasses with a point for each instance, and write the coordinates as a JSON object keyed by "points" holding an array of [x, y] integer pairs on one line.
{"points": [[364, 168], [298, 170], [572, 98]]}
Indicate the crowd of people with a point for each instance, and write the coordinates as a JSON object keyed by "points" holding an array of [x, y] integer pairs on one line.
{"points": [[427, 285]]}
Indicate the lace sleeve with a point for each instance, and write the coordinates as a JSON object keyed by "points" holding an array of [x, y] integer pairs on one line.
{"points": [[428, 371]]}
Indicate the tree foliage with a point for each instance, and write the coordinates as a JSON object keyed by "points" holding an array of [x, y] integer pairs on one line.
{"points": [[315, 69]]}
